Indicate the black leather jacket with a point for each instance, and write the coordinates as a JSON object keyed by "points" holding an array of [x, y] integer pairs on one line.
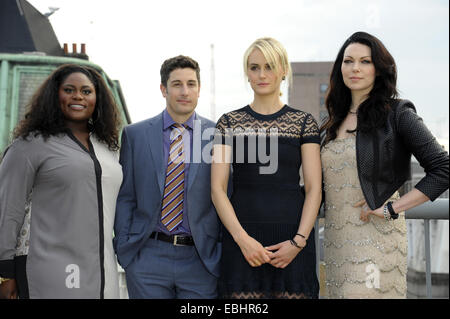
{"points": [[384, 156]]}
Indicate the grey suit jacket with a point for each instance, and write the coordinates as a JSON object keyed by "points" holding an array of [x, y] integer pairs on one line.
{"points": [[140, 196]]}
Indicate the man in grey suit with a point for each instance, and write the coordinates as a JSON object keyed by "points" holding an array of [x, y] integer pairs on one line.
{"points": [[166, 227]]}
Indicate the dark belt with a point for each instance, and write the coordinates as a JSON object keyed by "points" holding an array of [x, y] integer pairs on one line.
{"points": [[176, 240]]}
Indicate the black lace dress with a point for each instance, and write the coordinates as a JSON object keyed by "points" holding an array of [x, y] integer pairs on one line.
{"points": [[267, 200]]}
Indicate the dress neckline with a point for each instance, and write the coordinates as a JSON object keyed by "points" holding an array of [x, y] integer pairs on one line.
{"points": [[266, 116], [343, 139]]}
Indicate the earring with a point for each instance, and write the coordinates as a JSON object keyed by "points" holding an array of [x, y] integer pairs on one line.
{"points": [[283, 78]]}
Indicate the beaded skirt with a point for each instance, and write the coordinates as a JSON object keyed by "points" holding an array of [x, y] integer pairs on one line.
{"points": [[362, 259]]}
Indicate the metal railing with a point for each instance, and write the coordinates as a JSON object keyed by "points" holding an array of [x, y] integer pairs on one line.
{"points": [[439, 209]]}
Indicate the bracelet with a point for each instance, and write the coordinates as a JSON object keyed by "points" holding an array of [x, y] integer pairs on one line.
{"points": [[2, 280], [294, 243], [386, 214], [298, 234], [391, 210]]}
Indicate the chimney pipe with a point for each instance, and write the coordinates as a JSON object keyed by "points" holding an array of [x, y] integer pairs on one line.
{"points": [[66, 48], [74, 48], [83, 48]]}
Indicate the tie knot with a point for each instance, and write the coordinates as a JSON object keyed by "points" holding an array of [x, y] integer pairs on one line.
{"points": [[177, 130], [181, 127]]}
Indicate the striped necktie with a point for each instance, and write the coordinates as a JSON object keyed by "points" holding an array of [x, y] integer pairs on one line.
{"points": [[172, 205]]}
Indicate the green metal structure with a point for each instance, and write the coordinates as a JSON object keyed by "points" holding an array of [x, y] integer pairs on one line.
{"points": [[22, 74]]}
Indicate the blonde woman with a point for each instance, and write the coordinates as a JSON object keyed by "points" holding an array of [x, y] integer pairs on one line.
{"points": [[268, 242]]}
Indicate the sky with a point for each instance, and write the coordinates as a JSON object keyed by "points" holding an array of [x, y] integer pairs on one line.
{"points": [[131, 39]]}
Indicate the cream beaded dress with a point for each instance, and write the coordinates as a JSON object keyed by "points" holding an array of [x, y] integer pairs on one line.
{"points": [[362, 259]]}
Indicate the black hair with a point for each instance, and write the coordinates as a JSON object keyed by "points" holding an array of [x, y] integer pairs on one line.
{"points": [[372, 113], [178, 62], [44, 115]]}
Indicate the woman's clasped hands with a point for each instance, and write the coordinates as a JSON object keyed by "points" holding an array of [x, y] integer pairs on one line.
{"points": [[279, 255]]}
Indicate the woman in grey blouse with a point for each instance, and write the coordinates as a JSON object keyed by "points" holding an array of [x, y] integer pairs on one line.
{"points": [[64, 160]]}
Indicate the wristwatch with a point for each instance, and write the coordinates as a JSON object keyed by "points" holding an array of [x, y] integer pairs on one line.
{"points": [[391, 210], [2, 280]]}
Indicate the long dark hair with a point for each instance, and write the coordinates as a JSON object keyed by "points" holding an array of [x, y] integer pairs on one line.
{"points": [[44, 115], [372, 113]]}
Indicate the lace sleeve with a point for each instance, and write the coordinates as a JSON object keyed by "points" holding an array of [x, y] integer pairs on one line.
{"points": [[223, 134], [310, 131]]}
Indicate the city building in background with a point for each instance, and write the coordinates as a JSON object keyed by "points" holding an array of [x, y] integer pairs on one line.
{"points": [[309, 87], [29, 52]]}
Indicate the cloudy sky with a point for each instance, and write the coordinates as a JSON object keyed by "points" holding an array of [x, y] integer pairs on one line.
{"points": [[130, 40]]}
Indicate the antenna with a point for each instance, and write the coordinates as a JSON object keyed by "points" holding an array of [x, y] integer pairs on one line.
{"points": [[213, 86]]}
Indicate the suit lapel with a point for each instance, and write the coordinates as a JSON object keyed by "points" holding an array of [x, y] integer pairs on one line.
{"points": [[154, 136]]}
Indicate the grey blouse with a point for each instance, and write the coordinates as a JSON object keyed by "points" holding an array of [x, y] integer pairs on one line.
{"points": [[71, 218]]}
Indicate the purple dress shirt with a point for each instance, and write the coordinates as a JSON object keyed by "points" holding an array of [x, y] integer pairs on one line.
{"points": [[183, 228]]}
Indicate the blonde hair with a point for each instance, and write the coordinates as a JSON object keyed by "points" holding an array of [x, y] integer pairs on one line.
{"points": [[274, 53]]}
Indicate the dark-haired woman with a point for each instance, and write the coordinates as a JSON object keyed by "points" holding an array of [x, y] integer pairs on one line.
{"points": [[369, 138], [65, 155]]}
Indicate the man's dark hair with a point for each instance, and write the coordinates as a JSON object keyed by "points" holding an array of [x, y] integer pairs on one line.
{"points": [[178, 62]]}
